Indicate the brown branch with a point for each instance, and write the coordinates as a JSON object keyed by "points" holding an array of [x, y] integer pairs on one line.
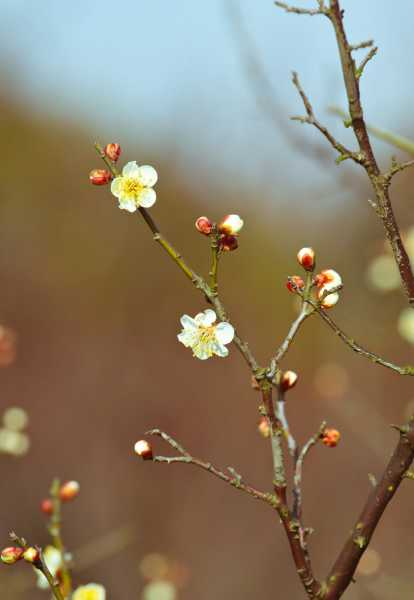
{"points": [[344, 568], [297, 479]]}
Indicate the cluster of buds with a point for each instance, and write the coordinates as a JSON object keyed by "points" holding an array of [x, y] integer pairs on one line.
{"points": [[143, 449], [12, 554], [331, 437], [112, 152], [67, 492], [227, 230], [326, 281]]}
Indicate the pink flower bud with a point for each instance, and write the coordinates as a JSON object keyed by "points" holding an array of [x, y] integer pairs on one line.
{"points": [[227, 243], [204, 225], [295, 282], [331, 437], [46, 506], [288, 380], [230, 225], [143, 449], [112, 151], [329, 278], [100, 176], [31, 555], [306, 258], [264, 427], [69, 491], [11, 555]]}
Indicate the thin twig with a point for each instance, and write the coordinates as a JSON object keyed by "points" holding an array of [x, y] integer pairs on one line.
{"points": [[361, 45], [297, 479], [302, 11]]}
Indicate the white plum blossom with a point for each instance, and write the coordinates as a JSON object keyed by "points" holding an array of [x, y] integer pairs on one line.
{"points": [[53, 560], [204, 337], [231, 225], [134, 187], [92, 591]]}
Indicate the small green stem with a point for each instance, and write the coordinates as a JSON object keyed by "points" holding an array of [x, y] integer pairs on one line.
{"points": [[55, 530]]}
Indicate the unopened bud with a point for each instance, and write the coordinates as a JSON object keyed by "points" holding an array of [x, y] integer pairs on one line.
{"points": [[295, 283], [328, 278], [46, 506], [288, 380], [204, 225], [143, 449], [113, 151], [306, 258], [328, 301], [230, 225], [254, 383], [31, 555], [69, 491], [227, 243], [264, 427], [11, 555], [331, 437], [100, 176]]}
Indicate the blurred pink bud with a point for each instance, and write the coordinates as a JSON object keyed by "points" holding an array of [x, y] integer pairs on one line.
{"points": [[204, 225], [306, 258], [288, 380], [46, 506], [143, 449], [264, 427], [69, 491], [7, 346], [100, 176], [295, 283], [227, 243], [331, 437], [230, 225], [11, 555], [112, 151]]}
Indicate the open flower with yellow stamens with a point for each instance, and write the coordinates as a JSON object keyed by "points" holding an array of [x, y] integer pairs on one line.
{"points": [[92, 591], [204, 337], [134, 187]]}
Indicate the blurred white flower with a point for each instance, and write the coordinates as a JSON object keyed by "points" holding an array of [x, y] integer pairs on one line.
{"points": [[406, 325], [203, 337], [134, 187], [383, 273], [53, 560], [92, 591], [159, 590]]}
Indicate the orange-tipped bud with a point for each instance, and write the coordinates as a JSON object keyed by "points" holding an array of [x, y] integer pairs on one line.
{"points": [[143, 449], [230, 225], [100, 176], [204, 225], [69, 491], [264, 427], [329, 278], [11, 555], [295, 283], [331, 437], [46, 506], [113, 151], [227, 243], [306, 258], [288, 380], [31, 555]]}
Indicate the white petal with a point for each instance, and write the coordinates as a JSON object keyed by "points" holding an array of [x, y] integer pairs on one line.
{"points": [[127, 204], [221, 350], [147, 175], [208, 317], [224, 333], [147, 197], [187, 322], [131, 169], [184, 338], [201, 353], [116, 186]]}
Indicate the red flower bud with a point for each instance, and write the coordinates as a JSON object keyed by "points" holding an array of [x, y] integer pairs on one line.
{"points": [[331, 437], [11, 555], [46, 506], [227, 243], [306, 258], [112, 151], [204, 225], [100, 176], [288, 380], [294, 283], [143, 449], [69, 491]]}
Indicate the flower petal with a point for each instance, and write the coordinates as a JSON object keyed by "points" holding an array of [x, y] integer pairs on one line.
{"points": [[147, 197], [208, 317], [147, 175], [127, 204], [131, 169], [224, 333], [116, 186], [188, 323], [220, 350]]}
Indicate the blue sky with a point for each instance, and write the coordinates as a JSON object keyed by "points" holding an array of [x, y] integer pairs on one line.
{"points": [[156, 69]]}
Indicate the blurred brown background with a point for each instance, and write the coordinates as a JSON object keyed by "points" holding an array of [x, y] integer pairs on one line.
{"points": [[96, 305]]}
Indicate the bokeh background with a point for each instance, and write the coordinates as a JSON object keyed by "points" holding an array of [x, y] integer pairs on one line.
{"points": [[202, 92]]}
